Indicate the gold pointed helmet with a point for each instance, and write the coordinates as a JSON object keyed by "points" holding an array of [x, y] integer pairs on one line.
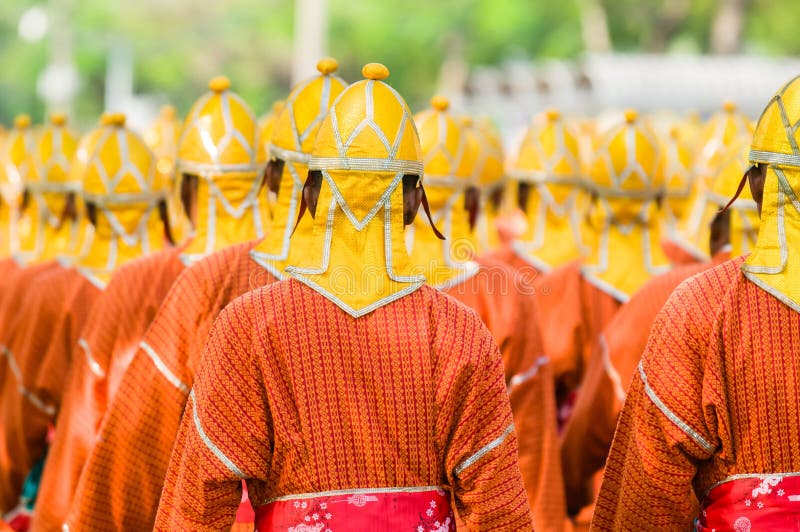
{"points": [[490, 167], [549, 152], [450, 149], [86, 147], [369, 129], [296, 126], [724, 128], [774, 264], [366, 144], [51, 177], [16, 159], [623, 170], [122, 168], [55, 150], [219, 135], [776, 140], [675, 167]]}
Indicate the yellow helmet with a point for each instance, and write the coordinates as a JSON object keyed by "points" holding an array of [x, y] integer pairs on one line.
{"points": [[42, 234], [624, 176], [624, 165], [122, 168], [491, 177], [266, 125], [675, 167], [82, 229], [774, 264], [723, 129], [54, 151], [549, 153], [296, 127], [364, 147], [86, 148], [490, 167], [122, 184], [369, 129], [219, 145], [776, 137], [549, 160], [450, 150], [219, 135], [17, 159], [292, 139]]}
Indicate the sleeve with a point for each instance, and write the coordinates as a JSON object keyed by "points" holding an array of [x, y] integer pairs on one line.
{"points": [[532, 398], [665, 430], [225, 434], [480, 444], [124, 474]]}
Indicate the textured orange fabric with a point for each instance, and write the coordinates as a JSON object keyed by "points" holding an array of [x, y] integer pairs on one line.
{"points": [[299, 397], [54, 311], [505, 303], [715, 396], [590, 429], [8, 270], [16, 283], [123, 476], [113, 330], [573, 313]]}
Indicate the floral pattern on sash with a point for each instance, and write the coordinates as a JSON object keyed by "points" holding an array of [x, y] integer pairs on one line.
{"points": [[750, 503], [414, 511]]}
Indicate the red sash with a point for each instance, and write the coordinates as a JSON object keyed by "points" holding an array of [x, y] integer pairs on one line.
{"points": [[413, 509], [758, 502]]}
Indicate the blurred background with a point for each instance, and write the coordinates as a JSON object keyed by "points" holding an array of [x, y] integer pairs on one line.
{"points": [[503, 58]]}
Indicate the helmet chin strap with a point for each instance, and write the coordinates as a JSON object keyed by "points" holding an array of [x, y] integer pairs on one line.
{"points": [[303, 204], [735, 196], [427, 208]]}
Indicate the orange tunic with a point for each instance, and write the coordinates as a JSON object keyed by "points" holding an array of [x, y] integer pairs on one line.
{"points": [[113, 330], [121, 483], [16, 285], [16, 281], [587, 435], [714, 396], [298, 397], [55, 309], [506, 305], [573, 313]]}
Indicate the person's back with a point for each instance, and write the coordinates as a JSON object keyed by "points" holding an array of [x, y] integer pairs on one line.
{"points": [[351, 396], [708, 433], [388, 409]]}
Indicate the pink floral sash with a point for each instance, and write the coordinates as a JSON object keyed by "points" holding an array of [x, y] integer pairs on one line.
{"points": [[752, 502], [420, 509]]}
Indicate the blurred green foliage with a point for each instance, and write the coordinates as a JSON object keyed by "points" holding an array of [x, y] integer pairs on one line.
{"points": [[178, 45]]}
